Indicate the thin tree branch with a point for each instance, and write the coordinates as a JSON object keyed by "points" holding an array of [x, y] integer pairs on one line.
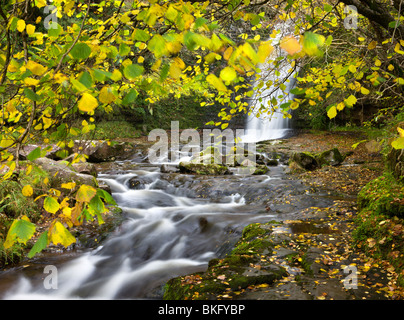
{"points": [[75, 40]]}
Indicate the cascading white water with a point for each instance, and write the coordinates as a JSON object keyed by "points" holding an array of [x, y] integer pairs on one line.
{"points": [[261, 126], [168, 232]]}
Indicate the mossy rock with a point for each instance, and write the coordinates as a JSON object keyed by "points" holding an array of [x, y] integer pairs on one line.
{"points": [[305, 160], [236, 271], [330, 158], [309, 161], [203, 169]]}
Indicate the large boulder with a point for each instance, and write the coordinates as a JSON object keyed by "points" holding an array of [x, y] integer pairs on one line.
{"points": [[50, 151], [103, 151], [303, 160], [308, 161], [60, 172], [329, 158], [203, 169]]}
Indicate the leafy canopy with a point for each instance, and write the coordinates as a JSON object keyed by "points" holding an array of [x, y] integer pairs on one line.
{"points": [[86, 57]]}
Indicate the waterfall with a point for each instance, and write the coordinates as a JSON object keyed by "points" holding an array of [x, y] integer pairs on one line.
{"points": [[260, 125]]}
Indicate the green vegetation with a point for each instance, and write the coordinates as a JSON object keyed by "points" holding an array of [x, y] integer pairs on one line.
{"points": [[230, 274], [379, 225]]}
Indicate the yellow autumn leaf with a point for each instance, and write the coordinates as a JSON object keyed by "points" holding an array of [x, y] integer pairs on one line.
{"points": [[290, 45], [30, 29], [85, 193], [175, 71], [364, 90], [332, 112], [31, 81], [400, 132], [87, 103], [106, 96], [36, 68], [51, 205], [228, 74], [47, 122], [216, 82], [40, 3], [340, 106], [372, 45], [116, 75], [27, 191], [68, 185], [264, 50], [21, 25], [350, 101], [178, 61], [58, 234]]}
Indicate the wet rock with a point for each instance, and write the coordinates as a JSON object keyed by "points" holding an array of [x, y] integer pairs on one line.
{"points": [[102, 151], [260, 169], [203, 169], [166, 168], [85, 168], [309, 161], [330, 157], [139, 182], [373, 147], [304, 160]]}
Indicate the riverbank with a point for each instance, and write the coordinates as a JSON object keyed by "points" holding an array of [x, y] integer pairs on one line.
{"points": [[313, 255], [304, 246]]}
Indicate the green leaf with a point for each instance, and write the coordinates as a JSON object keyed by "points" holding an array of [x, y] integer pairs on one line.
{"points": [[297, 91], [133, 71], [86, 79], [21, 231], [157, 45], [97, 205], [312, 43], [106, 196], [328, 8], [55, 29], [140, 35], [171, 13], [124, 49], [130, 97], [31, 95], [34, 154], [51, 205], [80, 51], [394, 24], [39, 245]]}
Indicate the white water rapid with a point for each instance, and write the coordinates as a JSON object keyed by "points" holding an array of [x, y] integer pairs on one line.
{"points": [[171, 229]]}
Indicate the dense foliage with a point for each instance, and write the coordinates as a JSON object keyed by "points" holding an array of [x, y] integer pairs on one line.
{"points": [[70, 58]]}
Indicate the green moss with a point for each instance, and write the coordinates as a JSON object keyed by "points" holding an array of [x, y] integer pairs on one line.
{"points": [[383, 195], [233, 272], [203, 169], [379, 223]]}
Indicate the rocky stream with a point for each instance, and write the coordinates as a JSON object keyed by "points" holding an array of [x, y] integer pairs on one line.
{"points": [[280, 234]]}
